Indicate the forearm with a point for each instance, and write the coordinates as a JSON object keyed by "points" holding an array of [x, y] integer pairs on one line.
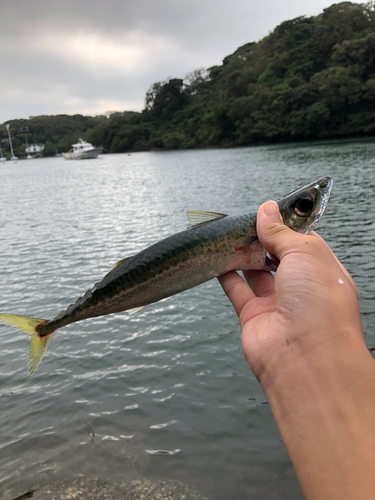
{"points": [[324, 406]]}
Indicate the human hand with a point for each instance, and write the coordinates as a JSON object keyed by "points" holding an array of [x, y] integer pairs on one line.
{"points": [[311, 304], [302, 337]]}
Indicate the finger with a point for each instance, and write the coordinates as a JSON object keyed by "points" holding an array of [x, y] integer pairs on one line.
{"points": [[276, 238], [236, 289], [262, 283]]}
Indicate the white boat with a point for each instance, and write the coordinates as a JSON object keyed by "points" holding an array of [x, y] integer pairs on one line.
{"points": [[82, 151], [14, 158], [2, 159]]}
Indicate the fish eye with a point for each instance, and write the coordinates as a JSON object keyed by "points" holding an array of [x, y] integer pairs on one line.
{"points": [[304, 205]]}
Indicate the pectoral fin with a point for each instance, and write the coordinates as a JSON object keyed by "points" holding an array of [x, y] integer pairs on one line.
{"points": [[136, 309]]}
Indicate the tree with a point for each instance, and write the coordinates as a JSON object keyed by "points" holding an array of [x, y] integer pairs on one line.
{"points": [[197, 81], [164, 99], [359, 54]]}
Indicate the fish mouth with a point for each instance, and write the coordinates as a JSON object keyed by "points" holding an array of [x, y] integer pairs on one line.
{"points": [[271, 263], [324, 186]]}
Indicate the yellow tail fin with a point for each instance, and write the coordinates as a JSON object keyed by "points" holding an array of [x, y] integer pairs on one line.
{"points": [[38, 344]]}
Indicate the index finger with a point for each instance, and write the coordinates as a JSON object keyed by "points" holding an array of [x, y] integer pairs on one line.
{"points": [[236, 289], [261, 282]]}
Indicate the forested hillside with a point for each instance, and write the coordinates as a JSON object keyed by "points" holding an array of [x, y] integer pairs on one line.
{"points": [[58, 133], [311, 78]]}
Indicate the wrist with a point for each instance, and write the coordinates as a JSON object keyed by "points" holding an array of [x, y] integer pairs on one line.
{"points": [[304, 374], [311, 355], [324, 407]]}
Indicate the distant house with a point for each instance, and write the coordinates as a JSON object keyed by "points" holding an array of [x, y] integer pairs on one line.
{"points": [[34, 150]]}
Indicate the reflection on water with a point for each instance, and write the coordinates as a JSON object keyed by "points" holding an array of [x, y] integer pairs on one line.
{"points": [[164, 394]]}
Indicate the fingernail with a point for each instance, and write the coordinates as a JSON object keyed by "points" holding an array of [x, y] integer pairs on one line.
{"points": [[271, 208]]}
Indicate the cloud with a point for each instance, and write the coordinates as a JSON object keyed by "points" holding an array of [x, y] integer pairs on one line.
{"points": [[88, 56]]}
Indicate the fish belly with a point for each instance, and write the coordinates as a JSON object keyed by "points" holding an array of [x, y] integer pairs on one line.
{"points": [[171, 266], [171, 278]]}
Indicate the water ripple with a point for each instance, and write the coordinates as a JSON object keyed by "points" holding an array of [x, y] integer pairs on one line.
{"points": [[173, 376]]}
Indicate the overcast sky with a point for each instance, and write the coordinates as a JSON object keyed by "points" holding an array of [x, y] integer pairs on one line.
{"points": [[93, 56]]}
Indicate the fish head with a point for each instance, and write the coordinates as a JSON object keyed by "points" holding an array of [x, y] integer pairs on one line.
{"points": [[302, 209]]}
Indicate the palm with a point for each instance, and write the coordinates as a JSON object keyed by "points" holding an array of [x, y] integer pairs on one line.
{"points": [[274, 312]]}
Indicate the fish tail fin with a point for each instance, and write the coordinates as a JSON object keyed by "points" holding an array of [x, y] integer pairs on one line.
{"points": [[38, 344]]}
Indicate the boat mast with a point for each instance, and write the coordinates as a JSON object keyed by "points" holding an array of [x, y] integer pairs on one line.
{"points": [[10, 142]]}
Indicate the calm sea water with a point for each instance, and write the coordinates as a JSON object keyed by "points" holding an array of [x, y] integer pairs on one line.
{"points": [[167, 391]]}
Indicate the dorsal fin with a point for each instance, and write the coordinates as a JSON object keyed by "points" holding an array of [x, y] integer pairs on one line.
{"points": [[118, 264], [199, 217]]}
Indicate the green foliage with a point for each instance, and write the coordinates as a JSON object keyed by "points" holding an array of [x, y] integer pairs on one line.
{"points": [[357, 54], [57, 133], [165, 99], [310, 78]]}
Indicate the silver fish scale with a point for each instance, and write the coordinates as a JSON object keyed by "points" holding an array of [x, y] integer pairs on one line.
{"points": [[172, 265]]}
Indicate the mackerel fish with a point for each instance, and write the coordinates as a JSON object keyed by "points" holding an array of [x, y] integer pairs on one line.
{"points": [[213, 245]]}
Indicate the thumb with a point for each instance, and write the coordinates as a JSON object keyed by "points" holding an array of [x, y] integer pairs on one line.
{"points": [[276, 238]]}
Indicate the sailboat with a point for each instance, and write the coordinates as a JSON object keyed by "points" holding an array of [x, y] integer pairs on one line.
{"points": [[2, 159], [10, 142]]}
